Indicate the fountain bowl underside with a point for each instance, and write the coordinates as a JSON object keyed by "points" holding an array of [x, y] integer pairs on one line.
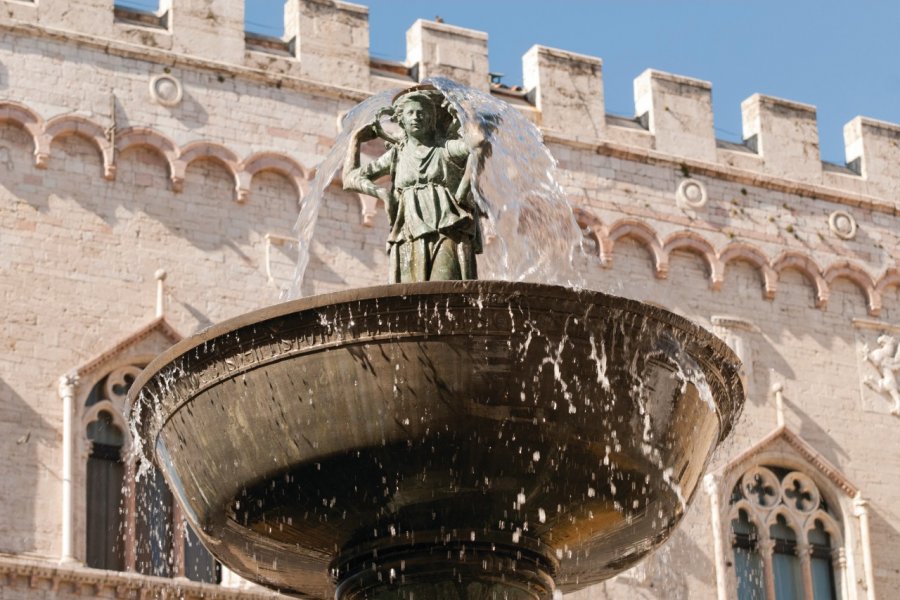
{"points": [[526, 435]]}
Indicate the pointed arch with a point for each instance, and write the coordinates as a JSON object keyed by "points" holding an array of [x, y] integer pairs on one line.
{"points": [[645, 235], [828, 522], [65, 125], [269, 161], [808, 268], [858, 276], [696, 244], [739, 251]]}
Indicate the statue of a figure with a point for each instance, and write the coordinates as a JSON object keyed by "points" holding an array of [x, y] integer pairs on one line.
{"points": [[435, 232], [886, 358]]}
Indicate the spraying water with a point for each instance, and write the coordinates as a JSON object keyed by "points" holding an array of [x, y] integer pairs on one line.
{"points": [[529, 224]]}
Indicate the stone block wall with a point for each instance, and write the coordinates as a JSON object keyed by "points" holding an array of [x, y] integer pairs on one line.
{"points": [[128, 148]]}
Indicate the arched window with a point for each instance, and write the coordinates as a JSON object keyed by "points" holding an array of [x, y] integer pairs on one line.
{"points": [[132, 523], [785, 538], [105, 474]]}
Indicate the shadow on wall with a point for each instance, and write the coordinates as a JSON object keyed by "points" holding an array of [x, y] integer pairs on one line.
{"points": [[205, 213], [885, 541], [663, 575], [22, 431], [189, 112], [813, 433]]}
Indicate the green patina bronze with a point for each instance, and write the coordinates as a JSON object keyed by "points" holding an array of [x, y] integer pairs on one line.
{"points": [[435, 233]]}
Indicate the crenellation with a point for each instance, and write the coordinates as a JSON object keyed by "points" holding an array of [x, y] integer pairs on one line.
{"points": [[438, 49], [873, 149], [677, 110], [567, 89], [91, 17], [330, 39], [325, 49], [785, 135], [210, 29]]}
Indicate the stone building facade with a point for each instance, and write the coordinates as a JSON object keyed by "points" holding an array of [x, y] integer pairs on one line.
{"points": [[132, 143]]}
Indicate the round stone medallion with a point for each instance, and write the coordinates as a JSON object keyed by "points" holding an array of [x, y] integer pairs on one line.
{"points": [[842, 224], [691, 194], [166, 90]]}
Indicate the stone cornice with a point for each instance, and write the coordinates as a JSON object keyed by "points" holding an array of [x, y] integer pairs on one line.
{"points": [[37, 575], [726, 173]]}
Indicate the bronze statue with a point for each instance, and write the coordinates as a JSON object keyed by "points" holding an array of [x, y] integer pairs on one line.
{"points": [[435, 233]]}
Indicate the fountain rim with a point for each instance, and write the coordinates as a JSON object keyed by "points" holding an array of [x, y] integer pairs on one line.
{"points": [[437, 288]]}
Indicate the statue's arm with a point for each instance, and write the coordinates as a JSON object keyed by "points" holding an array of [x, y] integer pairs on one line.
{"points": [[361, 179], [470, 150]]}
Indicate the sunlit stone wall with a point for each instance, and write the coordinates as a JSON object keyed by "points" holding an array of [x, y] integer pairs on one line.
{"points": [[180, 145]]}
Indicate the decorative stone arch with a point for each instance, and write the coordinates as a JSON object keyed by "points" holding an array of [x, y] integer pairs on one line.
{"points": [[596, 229], [144, 137], [739, 251], [891, 278], [65, 125], [787, 450], [859, 277], [643, 234], [109, 368], [696, 244], [31, 122], [204, 150], [274, 162], [807, 267]]}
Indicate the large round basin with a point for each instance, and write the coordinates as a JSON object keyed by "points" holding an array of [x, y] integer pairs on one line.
{"points": [[464, 437]]}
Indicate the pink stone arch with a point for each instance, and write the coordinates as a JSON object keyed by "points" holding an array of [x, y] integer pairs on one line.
{"points": [[644, 235], [65, 125]]}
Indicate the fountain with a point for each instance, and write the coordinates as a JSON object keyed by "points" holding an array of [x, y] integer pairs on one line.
{"points": [[438, 439]]}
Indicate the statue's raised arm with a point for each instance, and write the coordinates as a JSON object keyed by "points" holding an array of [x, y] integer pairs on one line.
{"points": [[435, 232]]}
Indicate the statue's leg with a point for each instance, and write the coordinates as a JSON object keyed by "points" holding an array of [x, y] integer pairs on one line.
{"points": [[445, 262], [414, 260], [465, 254], [394, 255]]}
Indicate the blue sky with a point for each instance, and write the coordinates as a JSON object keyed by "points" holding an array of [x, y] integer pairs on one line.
{"points": [[842, 57]]}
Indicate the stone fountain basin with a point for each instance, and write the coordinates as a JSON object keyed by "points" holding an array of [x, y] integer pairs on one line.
{"points": [[330, 439]]}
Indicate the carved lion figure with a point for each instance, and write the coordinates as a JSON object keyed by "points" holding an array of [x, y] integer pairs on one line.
{"points": [[886, 359]]}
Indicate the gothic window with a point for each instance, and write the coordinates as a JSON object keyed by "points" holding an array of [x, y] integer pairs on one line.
{"points": [[105, 473], [132, 523], [785, 537]]}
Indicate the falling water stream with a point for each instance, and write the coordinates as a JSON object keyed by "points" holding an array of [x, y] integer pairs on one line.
{"points": [[528, 222]]}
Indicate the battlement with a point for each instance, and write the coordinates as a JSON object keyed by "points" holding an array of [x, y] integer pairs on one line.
{"points": [[325, 46]]}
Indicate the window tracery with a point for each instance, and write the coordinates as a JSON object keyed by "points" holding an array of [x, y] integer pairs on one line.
{"points": [[786, 539], [131, 524]]}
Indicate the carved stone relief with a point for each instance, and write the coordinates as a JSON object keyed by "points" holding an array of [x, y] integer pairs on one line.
{"points": [[878, 359], [166, 90], [842, 224], [691, 194]]}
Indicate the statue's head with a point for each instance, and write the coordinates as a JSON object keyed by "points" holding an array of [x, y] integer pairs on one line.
{"points": [[423, 109], [415, 113]]}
